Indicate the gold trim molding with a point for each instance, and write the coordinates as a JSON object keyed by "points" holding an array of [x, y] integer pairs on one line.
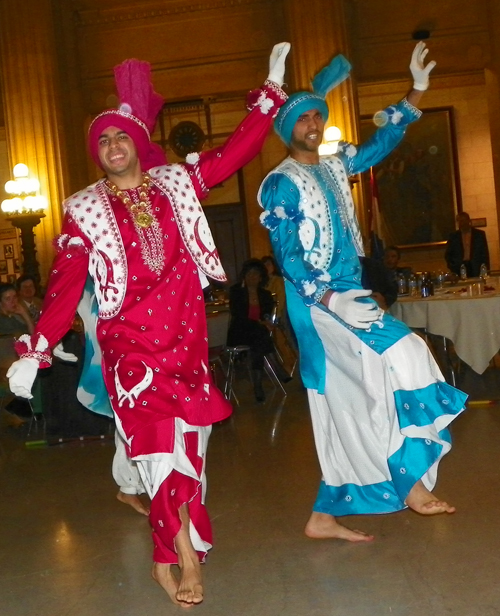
{"points": [[154, 10], [438, 82]]}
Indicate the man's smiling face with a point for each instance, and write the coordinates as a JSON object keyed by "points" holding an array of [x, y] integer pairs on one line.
{"points": [[117, 153], [308, 132]]}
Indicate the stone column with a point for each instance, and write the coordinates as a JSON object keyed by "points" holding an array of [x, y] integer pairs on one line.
{"points": [[318, 33], [492, 75], [32, 99]]}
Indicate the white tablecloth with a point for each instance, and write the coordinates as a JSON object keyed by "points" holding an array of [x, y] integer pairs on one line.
{"points": [[471, 323]]}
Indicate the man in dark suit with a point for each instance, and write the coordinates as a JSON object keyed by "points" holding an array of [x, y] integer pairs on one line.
{"points": [[381, 280], [467, 246]]}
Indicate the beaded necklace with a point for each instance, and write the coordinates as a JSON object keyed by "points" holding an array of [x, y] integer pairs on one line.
{"points": [[139, 211], [145, 223]]}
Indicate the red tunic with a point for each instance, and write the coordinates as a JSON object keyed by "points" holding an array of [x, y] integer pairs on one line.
{"points": [[158, 340]]}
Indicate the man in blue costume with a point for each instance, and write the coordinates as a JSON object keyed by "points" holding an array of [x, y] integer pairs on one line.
{"points": [[379, 404]]}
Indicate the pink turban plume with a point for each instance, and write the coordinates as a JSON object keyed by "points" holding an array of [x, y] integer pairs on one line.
{"points": [[136, 115]]}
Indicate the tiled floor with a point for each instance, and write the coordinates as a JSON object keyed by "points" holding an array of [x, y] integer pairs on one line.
{"points": [[68, 548]]}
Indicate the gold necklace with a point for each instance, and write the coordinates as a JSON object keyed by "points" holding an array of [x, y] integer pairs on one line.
{"points": [[139, 210]]}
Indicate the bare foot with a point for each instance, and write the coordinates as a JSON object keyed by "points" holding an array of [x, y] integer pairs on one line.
{"points": [[325, 526], [190, 589], [424, 502], [162, 574], [134, 501]]}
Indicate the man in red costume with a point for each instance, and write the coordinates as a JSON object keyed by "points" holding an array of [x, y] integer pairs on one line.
{"points": [[141, 234]]}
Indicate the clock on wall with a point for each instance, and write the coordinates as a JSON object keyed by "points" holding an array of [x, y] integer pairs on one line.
{"points": [[186, 137]]}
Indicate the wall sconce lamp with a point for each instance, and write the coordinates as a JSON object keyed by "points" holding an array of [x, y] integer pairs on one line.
{"points": [[331, 140], [25, 211]]}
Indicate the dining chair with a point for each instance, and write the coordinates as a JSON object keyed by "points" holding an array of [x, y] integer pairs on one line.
{"points": [[221, 355], [36, 420]]}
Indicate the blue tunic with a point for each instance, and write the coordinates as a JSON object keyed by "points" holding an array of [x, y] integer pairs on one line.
{"points": [[334, 236], [317, 243]]}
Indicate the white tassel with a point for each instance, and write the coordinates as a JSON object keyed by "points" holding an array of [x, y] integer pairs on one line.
{"points": [[42, 344], [351, 151], [26, 338], [265, 104], [396, 117], [192, 158], [309, 288], [76, 241]]}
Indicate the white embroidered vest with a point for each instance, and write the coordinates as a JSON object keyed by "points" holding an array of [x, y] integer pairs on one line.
{"points": [[92, 212], [316, 232]]}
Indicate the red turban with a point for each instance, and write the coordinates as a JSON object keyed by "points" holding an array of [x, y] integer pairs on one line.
{"points": [[136, 115]]}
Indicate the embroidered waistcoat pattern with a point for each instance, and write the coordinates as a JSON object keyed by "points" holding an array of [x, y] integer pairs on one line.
{"points": [[316, 232], [92, 212]]}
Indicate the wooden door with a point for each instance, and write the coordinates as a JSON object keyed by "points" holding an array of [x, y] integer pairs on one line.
{"points": [[229, 229]]}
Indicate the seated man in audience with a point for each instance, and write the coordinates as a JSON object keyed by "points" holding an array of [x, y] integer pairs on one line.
{"points": [[392, 257], [382, 282], [467, 246], [27, 291]]}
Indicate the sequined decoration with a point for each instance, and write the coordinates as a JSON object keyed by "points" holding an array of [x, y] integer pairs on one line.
{"points": [[146, 225], [151, 238], [332, 184]]}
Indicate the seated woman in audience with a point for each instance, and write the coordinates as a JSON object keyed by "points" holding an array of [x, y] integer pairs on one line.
{"points": [[284, 337], [15, 320], [275, 285], [27, 291], [251, 307]]}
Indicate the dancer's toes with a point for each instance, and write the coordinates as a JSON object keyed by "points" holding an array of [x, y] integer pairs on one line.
{"points": [[324, 526], [354, 535], [162, 574], [190, 596], [421, 500], [134, 501], [434, 507]]}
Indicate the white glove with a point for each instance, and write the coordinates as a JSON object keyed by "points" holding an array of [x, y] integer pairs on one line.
{"points": [[419, 71], [22, 375], [277, 63], [357, 314], [58, 351]]}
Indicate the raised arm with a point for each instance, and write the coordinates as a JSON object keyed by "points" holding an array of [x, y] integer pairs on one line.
{"points": [[392, 121], [216, 165], [420, 73]]}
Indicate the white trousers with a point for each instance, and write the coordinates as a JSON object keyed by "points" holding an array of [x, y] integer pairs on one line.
{"points": [[355, 422], [125, 471]]}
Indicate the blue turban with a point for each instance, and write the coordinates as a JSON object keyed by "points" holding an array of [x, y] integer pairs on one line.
{"points": [[301, 102]]}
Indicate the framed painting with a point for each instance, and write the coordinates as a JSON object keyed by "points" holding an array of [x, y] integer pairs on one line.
{"points": [[8, 251], [418, 183]]}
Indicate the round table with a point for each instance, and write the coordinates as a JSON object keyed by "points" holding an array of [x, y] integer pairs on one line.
{"points": [[471, 323]]}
